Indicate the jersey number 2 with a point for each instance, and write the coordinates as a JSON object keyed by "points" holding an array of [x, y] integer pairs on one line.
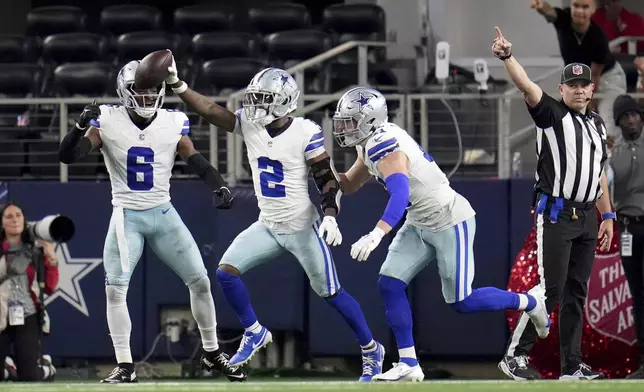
{"points": [[134, 167], [266, 178]]}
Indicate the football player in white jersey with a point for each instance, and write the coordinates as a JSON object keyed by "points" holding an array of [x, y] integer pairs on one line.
{"points": [[139, 141], [281, 150], [440, 225]]}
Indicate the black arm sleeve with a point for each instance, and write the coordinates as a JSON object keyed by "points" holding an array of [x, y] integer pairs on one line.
{"points": [[326, 177], [547, 112], [74, 146], [200, 165]]}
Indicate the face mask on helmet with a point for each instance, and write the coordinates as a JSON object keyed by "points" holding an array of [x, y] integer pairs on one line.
{"points": [[263, 107], [144, 103], [349, 131]]}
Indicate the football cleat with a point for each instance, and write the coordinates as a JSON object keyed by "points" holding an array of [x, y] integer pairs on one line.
{"points": [[401, 372], [120, 375], [250, 344], [218, 361], [372, 363], [539, 315]]}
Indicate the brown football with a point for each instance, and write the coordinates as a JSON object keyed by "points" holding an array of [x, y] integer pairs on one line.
{"points": [[153, 69]]}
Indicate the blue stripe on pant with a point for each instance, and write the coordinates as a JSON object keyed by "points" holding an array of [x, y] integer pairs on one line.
{"points": [[258, 244], [414, 248]]}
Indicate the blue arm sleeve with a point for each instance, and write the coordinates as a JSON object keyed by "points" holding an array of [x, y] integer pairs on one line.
{"points": [[398, 187]]}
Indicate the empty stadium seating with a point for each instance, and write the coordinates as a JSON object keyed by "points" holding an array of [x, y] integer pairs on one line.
{"points": [[126, 18], [197, 19], [44, 21]]}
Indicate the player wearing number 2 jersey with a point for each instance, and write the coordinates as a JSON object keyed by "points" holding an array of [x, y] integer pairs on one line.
{"points": [[139, 141], [440, 225], [281, 149]]}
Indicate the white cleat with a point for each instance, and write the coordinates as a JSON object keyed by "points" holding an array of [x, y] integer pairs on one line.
{"points": [[539, 315], [401, 372]]}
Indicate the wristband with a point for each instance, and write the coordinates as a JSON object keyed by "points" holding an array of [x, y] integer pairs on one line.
{"points": [[503, 58], [609, 215], [181, 89]]}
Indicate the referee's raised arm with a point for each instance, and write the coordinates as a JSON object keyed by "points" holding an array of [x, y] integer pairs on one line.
{"points": [[502, 49]]}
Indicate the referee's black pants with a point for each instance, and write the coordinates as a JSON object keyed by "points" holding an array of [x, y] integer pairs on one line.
{"points": [[565, 256], [634, 271]]}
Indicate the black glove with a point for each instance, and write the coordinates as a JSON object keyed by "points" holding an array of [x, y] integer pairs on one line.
{"points": [[90, 112], [224, 199]]}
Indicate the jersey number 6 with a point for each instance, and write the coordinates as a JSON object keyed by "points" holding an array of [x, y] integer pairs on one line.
{"points": [[139, 174], [270, 182]]}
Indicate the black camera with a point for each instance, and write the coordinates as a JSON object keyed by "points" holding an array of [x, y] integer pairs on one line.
{"points": [[52, 228]]}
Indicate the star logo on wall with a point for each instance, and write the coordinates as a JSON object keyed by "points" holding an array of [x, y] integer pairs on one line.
{"points": [[72, 271]]}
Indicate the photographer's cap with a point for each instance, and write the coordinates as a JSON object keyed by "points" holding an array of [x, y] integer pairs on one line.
{"points": [[576, 71]]}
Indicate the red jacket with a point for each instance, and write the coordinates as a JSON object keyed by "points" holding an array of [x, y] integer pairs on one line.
{"points": [[630, 24], [51, 278]]}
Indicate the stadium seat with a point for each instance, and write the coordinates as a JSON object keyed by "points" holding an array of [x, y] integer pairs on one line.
{"points": [[215, 45], [375, 55], [74, 47], [43, 21], [18, 49], [42, 159], [228, 73], [354, 19], [273, 18], [197, 19], [138, 44], [91, 79], [297, 44], [121, 19], [20, 80], [12, 157], [291, 47]]}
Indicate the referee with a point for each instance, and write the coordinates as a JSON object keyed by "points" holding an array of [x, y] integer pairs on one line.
{"points": [[570, 183]]}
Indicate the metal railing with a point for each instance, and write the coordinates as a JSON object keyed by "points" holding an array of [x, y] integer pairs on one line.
{"points": [[632, 43], [28, 146]]}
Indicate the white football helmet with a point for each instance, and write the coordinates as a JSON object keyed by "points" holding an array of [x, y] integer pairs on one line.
{"points": [[360, 111], [270, 95], [144, 104]]}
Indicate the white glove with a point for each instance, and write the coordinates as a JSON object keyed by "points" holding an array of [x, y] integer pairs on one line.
{"points": [[330, 227], [363, 247], [173, 75]]}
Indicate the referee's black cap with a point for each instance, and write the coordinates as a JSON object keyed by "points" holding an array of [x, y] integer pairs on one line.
{"points": [[576, 71]]}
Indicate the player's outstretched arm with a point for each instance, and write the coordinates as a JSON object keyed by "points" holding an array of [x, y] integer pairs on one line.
{"points": [[82, 138], [502, 49], [393, 168], [215, 114], [545, 9], [355, 178], [207, 172]]}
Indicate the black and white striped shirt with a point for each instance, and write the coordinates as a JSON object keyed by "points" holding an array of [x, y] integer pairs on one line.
{"points": [[571, 151]]}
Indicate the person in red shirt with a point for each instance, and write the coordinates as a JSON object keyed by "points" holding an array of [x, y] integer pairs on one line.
{"points": [[617, 21]]}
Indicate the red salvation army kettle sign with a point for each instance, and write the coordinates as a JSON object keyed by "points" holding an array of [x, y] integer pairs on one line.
{"points": [[609, 309]]}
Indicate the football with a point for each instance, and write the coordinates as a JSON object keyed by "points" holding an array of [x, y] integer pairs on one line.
{"points": [[153, 69]]}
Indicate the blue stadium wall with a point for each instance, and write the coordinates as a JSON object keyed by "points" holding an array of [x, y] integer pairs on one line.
{"points": [[279, 290]]}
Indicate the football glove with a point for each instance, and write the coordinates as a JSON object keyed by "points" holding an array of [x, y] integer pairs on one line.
{"points": [[90, 112], [329, 227], [223, 198], [365, 245]]}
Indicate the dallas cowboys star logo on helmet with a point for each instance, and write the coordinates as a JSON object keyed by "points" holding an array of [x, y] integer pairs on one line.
{"points": [[284, 79], [362, 100]]}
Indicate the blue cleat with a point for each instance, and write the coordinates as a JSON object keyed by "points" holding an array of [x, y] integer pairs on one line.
{"points": [[250, 344], [372, 363]]}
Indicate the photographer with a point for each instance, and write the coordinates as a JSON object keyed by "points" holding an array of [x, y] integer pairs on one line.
{"points": [[20, 313]]}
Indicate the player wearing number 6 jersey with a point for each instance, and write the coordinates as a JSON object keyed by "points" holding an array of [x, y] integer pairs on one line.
{"points": [[440, 225], [281, 149], [139, 141]]}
